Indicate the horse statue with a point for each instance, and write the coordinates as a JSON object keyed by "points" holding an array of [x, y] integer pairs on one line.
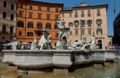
{"points": [[13, 44], [90, 46], [45, 41], [83, 45], [93, 44]]}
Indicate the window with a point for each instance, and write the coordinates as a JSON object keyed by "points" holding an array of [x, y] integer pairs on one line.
{"points": [[20, 13], [89, 22], [89, 13], [30, 24], [30, 14], [39, 8], [3, 37], [4, 29], [12, 6], [48, 26], [70, 32], [11, 17], [76, 23], [39, 33], [99, 22], [48, 9], [55, 26], [20, 24], [82, 13], [70, 14], [57, 34], [99, 31], [30, 7], [4, 4], [98, 12], [70, 24], [39, 25], [84, 39], [56, 17], [11, 30], [82, 23], [20, 33], [76, 32], [30, 34], [89, 31], [20, 5], [39, 15], [4, 14], [57, 10], [83, 31], [48, 16], [76, 13]]}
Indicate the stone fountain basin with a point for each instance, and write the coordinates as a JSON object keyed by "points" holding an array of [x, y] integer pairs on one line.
{"points": [[55, 58]]}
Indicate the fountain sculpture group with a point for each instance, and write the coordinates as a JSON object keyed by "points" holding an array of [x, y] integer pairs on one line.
{"points": [[62, 43], [64, 55]]}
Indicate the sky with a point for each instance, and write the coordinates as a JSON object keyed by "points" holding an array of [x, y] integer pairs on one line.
{"points": [[110, 12]]}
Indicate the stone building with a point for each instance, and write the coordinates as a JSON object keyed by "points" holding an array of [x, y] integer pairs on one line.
{"points": [[33, 17], [85, 20], [116, 26], [7, 20]]}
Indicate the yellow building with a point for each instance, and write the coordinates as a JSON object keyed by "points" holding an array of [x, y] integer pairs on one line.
{"points": [[84, 21]]}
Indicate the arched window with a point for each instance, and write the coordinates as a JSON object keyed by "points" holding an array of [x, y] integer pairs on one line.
{"points": [[76, 23], [99, 22], [30, 24], [48, 26], [39, 25], [99, 31], [70, 24], [20, 23]]}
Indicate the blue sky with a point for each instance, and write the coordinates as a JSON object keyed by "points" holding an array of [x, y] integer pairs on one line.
{"points": [[110, 13]]}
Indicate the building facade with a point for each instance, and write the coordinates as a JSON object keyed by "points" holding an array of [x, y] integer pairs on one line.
{"points": [[33, 17], [116, 26], [84, 21], [7, 20]]}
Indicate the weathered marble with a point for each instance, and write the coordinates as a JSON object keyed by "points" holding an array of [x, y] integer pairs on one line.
{"points": [[55, 58]]}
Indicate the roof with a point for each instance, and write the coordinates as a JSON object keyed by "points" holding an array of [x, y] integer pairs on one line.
{"points": [[88, 6], [40, 2]]}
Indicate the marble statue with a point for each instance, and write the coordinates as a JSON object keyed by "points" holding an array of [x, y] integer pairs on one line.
{"points": [[83, 45], [62, 37], [45, 41], [34, 44], [14, 44]]}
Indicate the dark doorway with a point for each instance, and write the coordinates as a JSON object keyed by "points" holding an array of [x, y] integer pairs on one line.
{"points": [[100, 44]]}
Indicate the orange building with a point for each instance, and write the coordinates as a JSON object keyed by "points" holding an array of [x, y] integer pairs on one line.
{"points": [[33, 17]]}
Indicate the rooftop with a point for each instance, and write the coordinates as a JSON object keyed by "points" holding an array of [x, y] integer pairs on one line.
{"points": [[84, 5]]}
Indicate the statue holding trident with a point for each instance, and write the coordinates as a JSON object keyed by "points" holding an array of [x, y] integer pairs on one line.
{"points": [[62, 41]]}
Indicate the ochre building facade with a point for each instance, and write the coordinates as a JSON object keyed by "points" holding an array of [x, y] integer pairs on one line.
{"points": [[34, 17]]}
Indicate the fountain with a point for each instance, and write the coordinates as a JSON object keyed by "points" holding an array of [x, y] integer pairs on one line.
{"points": [[64, 55]]}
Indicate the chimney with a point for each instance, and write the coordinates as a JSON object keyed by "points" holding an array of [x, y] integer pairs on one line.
{"points": [[83, 4]]}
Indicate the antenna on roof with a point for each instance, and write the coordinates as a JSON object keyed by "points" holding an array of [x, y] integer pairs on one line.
{"points": [[114, 7]]}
